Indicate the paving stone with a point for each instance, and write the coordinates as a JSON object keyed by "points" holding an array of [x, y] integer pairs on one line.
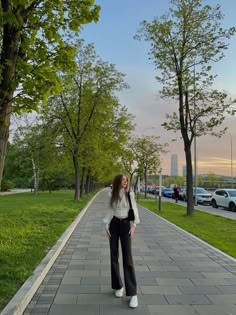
{"points": [[216, 275], [96, 280], [203, 269], [108, 298], [227, 289], [210, 281], [163, 268], [172, 310], [122, 309], [81, 273], [215, 309], [222, 299], [187, 299], [76, 289], [148, 281], [152, 299], [199, 289], [165, 281], [168, 289], [74, 309]]}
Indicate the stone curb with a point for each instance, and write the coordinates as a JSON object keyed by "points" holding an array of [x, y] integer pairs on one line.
{"points": [[193, 236], [23, 296]]}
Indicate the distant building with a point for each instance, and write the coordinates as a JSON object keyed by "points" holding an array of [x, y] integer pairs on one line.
{"points": [[174, 165], [184, 170]]}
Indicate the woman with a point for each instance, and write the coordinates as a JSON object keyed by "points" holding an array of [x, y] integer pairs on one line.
{"points": [[118, 227]]}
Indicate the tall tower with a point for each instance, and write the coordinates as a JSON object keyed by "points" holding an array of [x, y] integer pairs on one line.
{"points": [[174, 165], [184, 172]]}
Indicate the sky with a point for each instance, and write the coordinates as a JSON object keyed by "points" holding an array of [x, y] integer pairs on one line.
{"points": [[114, 42]]}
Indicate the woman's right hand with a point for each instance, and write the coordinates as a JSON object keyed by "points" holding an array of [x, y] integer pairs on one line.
{"points": [[108, 233]]}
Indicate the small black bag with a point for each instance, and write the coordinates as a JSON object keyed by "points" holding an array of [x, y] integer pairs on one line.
{"points": [[131, 216]]}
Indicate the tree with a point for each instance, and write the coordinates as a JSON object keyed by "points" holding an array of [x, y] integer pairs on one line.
{"points": [[36, 43], [128, 162], [147, 155], [87, 93], [17, 167], [29, 139], [212, 180], [105, 142], [184, 44]]}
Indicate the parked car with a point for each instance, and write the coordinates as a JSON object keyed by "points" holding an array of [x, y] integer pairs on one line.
{"points": [[155, 191], [203, 197], [150, 190], [225, 198], [181, 191], [167, 192]]}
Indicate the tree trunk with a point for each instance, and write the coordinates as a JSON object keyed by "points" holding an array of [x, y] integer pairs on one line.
{"points": [[82, 182], [131, 178], [91, 184], [77, 175], [35, 176], [4, 135], [145, 179], [189, 179], [87, 183], [136, 185], [11, 42], [187, 146]]}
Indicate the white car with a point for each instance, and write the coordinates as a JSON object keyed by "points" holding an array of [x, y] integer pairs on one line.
{"points": [[203, 197], [225, 198]]}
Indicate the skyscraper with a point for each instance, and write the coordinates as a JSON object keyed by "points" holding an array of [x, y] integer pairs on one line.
{"points": [[184, 170], [174, 165]]}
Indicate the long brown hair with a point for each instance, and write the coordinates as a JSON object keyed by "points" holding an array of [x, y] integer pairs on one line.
{"points": [[116, 187]]}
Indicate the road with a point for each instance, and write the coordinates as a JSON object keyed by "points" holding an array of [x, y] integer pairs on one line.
{"points": [[220, 211]]}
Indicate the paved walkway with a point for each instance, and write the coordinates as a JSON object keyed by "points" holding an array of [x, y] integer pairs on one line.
{"points": [[15, 191], [177, 274]]}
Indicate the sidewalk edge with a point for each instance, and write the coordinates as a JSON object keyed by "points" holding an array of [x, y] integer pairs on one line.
{"points": [[23, 296]]}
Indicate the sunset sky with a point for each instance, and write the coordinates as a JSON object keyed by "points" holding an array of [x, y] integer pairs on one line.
{"points": [[113, 40]]}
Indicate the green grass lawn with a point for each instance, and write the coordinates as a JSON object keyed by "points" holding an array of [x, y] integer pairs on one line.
{"points": [[29, 226], [215, 230]]}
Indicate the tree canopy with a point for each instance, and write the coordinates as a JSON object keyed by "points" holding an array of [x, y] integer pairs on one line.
{"points": [[36, 46]]}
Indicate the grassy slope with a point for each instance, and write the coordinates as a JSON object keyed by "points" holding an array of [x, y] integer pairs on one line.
{"points": [[29, 226]]}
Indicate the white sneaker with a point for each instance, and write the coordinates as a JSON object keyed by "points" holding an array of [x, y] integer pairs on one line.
{"points": [[119, 293], [133, 302]]}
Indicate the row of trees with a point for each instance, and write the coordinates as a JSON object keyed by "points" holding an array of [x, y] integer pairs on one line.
{"points": [[35, 159], [83, 135], [82, 131]]}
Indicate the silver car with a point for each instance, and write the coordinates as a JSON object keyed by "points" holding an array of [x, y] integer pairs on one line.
{"points": [[203, 196], [225, 198]]}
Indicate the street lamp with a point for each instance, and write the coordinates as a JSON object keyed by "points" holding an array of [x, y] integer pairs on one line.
{"points": [[195, 139], [231, 157], [160, 186]]}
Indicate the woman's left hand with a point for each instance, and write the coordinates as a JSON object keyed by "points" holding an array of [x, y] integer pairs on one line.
{"points": [[131, 231]]}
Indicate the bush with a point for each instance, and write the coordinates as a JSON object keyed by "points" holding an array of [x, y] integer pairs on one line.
{"points": [[7, 184]]}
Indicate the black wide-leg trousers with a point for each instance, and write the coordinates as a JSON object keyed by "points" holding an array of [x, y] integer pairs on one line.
{"points": [[119, 229]]}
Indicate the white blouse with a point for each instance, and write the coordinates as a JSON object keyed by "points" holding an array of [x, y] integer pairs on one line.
{"points": [[120, 210]]}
